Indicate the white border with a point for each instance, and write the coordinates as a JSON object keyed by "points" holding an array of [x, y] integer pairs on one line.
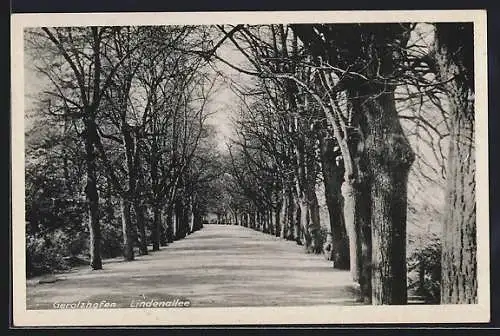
{"points": [[277, 315]]}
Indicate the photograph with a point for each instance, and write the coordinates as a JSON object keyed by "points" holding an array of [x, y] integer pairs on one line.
{"points": [[250, 168]]}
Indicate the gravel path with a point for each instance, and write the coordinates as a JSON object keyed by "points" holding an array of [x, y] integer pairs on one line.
{"points": [[218, 266]]}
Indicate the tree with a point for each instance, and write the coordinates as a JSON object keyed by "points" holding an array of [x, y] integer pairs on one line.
{"points": [[112, 85], [78, 83], [454, 61], [129, 108]]}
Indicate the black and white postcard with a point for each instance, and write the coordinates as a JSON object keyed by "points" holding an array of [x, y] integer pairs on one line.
{"points": [[250, 168]]}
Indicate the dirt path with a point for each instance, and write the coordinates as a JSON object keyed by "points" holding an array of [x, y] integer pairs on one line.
{"points": [[217, 266]]}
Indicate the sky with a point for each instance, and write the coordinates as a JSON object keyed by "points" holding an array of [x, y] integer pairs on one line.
{"points": [[225, 103]]}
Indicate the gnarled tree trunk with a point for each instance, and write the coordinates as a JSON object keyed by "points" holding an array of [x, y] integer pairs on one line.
{"points": [[455, 61], [389, 158]]}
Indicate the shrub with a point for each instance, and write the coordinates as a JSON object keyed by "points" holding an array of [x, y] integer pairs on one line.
{"points": [[45, 253], [78, 244], [322, 234], [425, 264], [111, 244]]}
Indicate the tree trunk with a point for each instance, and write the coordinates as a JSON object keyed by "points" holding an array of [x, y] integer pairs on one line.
{"points": [[170, 227], [277, 220], [296, 216], [156, 231], [186, 213], [389, 237], [349, 194], [389, 159], [261, 220], [272, 222], [363, 232], [271, 219], [314, 219], [309, 216], [130, 193], [93, 200], [177, 220], [268, 221], [128, 241], [284, 214], [139, 206], [305, 239], [235, 212], [157, 210], [455, 59], [332, 179], [357, 220], [291, 216], [253, 220], [183, 222], [264, 221], [191, 218], [198, 221], [141, 226]]}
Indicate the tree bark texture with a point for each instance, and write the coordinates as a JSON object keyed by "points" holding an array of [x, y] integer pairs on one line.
{"points": [[92, 198], [455, 60]]}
